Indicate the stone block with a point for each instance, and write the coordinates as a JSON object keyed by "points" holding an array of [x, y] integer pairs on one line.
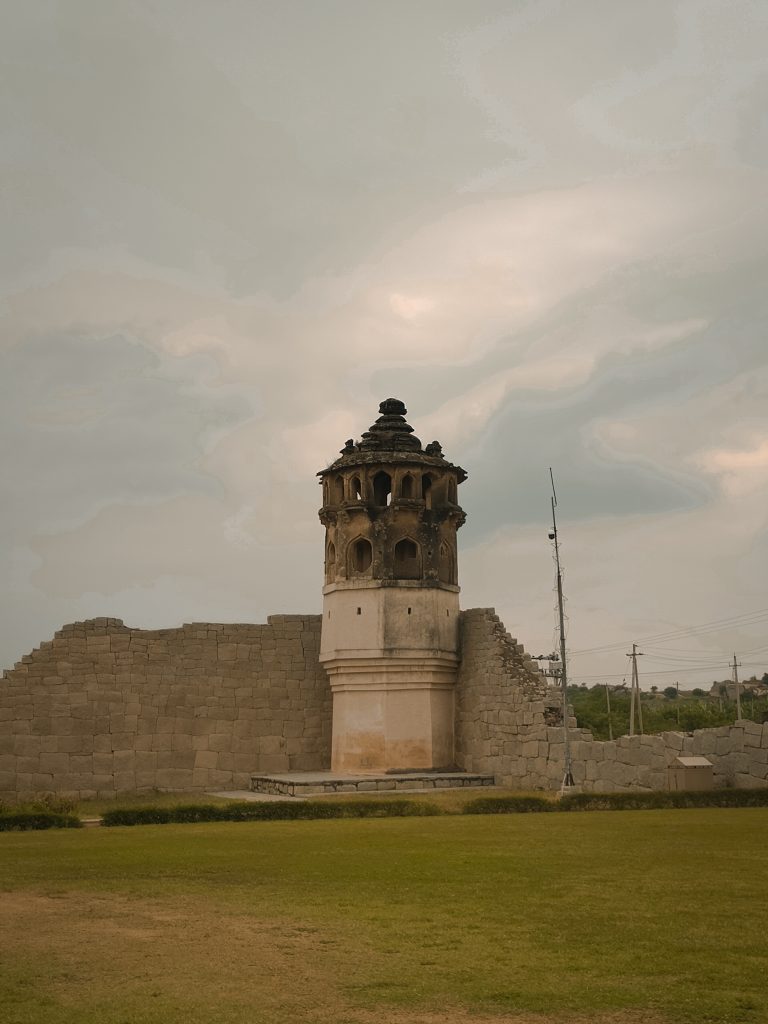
{"points": [[745, 780], [103, 764], [206, 759], [124, 761], [54, 763], [271, 763], [123, 741], [293, 729], [270, 745], [740, 763], [144, 780], [245, 762], [124, 781], [23, 746], [183, 759]]}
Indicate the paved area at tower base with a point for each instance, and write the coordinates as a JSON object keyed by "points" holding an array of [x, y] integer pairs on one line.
{"points": [[317, 783]]}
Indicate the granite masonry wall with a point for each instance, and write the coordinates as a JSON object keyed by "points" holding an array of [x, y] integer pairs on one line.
{"points": [[103, 708], [509, 724]]}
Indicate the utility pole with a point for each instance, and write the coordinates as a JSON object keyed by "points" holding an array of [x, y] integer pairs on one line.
{"points": [[735, 666], [567, 766], [635, 693], [677, 702], [608, 705]]}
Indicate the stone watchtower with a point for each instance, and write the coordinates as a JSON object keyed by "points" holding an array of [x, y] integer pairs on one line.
{"points": [[391, 598]]}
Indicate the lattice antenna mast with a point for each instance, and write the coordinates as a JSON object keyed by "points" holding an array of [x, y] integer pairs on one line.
{"points": [[567, 764]]}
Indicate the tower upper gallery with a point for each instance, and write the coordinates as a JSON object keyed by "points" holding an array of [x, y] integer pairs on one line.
{"points": [[390, 507]]}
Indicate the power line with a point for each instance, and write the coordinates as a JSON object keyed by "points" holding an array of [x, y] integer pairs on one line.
{"points": [[716, 625]]}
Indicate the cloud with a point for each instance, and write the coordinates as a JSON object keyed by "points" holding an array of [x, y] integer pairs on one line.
{"points": [[230, 235]]}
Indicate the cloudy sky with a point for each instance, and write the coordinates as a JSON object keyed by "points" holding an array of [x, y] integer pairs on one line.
{"points": [[231, 227]]}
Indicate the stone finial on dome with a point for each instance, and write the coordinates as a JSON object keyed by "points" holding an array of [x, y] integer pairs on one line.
{"points": [[390, 432]]}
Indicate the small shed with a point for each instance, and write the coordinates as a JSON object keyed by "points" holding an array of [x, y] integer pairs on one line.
{"points": [[691, 772]]}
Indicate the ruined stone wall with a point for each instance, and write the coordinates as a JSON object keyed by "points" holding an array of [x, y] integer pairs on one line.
{"points": [[509, 724], [506, 716], [103, 708]]}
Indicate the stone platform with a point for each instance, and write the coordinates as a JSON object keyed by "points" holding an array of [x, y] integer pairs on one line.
{"points": [[317, 783]]}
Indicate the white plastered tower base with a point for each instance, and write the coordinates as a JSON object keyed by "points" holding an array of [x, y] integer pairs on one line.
{"points": [[390, 650]]}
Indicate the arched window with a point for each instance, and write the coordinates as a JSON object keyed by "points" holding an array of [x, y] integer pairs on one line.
{"points": [[382, 488], [357, 489], [330, 559], [338, 490], [406, 487], [452, 489], [407, 560], [361, 556], [426, 489], [446, 564]]}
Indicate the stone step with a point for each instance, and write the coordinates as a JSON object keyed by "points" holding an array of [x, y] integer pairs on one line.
{"points": [[317, 783]]}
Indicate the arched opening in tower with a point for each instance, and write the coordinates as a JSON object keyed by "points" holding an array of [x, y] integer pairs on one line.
{"points": [[446, 566], [330, 560], [357, 488], [426, 490], [407, 560], [362, 555], [338, 490], [382, 489], [406, 487]]}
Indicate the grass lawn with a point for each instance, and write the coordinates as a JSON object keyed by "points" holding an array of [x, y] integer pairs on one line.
{"points": [[652, 917]]}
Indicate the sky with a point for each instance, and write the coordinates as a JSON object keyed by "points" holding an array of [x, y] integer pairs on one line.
{"points": [[232, 228]]}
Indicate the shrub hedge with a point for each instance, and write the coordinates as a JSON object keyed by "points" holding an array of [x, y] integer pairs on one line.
{"points": [[25, 821], [633, 801], [509, 805], [273, 810], [659, 798]]}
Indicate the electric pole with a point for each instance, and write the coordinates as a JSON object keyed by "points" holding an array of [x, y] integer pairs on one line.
{"points": [[677, 702], [567, 766], [635, 693], [735, 666], [608, 705]]}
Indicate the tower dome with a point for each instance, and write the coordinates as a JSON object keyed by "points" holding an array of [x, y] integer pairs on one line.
{"points": [[390, 506]]}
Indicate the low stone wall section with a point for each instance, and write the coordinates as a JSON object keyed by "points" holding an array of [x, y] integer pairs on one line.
{"points": [[509, 724], [103, 708]]}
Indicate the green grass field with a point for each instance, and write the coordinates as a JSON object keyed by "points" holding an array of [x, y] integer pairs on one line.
{"points": [[602, 917]]}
